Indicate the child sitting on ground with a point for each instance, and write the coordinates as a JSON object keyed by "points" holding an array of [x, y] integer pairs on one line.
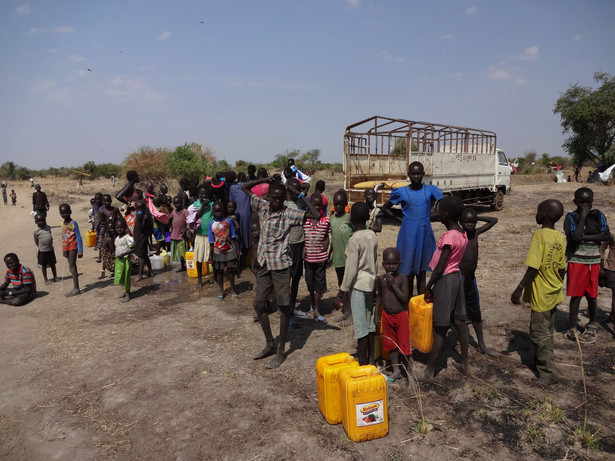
{"points": [[467, 267], [359, 280], [585, 230], [21, 278], [72, 245], [392, 294], [178, 230], [341, 231], [317, 233], [221, 251], [44, 241], [445, 287], [543, 279], [124, 246], [107, 249], [607, 272]]}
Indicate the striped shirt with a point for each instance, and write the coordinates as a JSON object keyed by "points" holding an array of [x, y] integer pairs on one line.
{"points": [[317, 236], [585, 252], [23, 277], [272, 248]]}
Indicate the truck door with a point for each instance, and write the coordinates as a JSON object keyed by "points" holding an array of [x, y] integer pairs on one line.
{"points": [[504, 170]]}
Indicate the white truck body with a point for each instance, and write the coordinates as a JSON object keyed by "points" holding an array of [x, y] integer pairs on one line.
{"points": [[460, 161]]}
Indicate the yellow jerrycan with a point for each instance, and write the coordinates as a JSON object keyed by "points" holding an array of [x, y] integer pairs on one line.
{"points": [[191, 265], [328, 384], [421, 324], [365, 414], [90, 238]]}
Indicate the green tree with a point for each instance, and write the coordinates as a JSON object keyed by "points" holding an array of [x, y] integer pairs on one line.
{"points": [[310, 160], [530, 157], [191, 160], [589, 116], [400, 147], [7, 170], [149, 162], [281, 160]]}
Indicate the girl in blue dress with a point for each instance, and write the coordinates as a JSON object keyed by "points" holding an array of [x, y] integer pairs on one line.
{"points": [[415, 241]]}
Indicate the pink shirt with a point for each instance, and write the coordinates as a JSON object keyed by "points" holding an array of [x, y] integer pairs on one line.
{"points": [[457, 241]]}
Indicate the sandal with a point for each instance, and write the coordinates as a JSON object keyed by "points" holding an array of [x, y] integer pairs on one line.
{"points": [[220, 297], [589, 336], [301, 314], [321, 319], [234, 296], [572, 337]]}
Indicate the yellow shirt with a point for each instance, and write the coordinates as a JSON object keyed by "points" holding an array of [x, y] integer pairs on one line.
{"points": [[547, 253]]}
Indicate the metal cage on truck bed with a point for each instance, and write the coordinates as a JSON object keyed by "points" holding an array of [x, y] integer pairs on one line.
{"points": [[379, 149]]}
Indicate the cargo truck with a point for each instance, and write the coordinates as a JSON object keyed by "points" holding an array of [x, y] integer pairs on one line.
{"points": [[461, 161]]}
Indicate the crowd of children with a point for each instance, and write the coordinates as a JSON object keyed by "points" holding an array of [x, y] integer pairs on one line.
{"points": [[295, 236]]}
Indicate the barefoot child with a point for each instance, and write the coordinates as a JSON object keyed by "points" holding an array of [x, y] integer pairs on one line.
{"points": [[317, 233], [107, 249], [201, 237], [144, 229], [44, 240], [415, 241], [13, 197], [124, 245], [23, 289], [341, 231], [178, 230], [273, 277], [546, 266], [392, 294], [467, 267], [585, 230], [221, 250], [445, 287], [359, 280], [72, 245]]}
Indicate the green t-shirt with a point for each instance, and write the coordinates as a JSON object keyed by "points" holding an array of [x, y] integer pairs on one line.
{"points": [[341, 230], [547, 253], [206, 219]]}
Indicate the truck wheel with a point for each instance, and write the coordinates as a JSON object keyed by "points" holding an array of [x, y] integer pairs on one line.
{"points": [[498, 201]]}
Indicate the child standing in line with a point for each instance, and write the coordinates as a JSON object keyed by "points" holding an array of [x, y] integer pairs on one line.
{"points": [[231, 209], [72, 245], [415, 240], [221, 251], [44, 240], [392, 295], [467, 267], [107, 249], [607, 272], [13, 197], [201, 238], [445, 287], [296, 250], [375, 214], [585, 230], [317, 234], [178, 229], [107, 213], [124, 245], [546, 266], [341, 231], [144, 229], [319, 188], [359, 281]]}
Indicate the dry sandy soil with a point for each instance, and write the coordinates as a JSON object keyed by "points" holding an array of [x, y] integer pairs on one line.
{"points": [[170, 374]]}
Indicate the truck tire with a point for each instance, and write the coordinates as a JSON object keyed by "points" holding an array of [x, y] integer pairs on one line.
{"points": [[498, 201]]}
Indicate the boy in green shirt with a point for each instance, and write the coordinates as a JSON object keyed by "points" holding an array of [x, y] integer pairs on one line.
{"points": [[546, 261], [341, 230]]}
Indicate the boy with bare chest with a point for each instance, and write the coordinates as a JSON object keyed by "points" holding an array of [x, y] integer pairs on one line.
{"points": [[393, 294]]}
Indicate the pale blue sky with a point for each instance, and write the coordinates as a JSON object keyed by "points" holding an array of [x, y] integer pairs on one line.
{"points": [[257, 78]]}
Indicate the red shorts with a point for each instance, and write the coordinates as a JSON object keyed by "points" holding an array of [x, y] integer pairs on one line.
{"points": [[396, 332], [582, 279]]}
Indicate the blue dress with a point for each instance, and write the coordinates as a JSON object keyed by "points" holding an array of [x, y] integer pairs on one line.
{"points": [[243, 213], [415, 241]]}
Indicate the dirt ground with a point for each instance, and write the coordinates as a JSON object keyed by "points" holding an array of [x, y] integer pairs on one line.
{"points": [[170, 374]]}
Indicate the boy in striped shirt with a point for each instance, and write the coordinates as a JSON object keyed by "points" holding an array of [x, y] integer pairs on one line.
{"points": [[585, 229], [317, 235], [21, 278]]}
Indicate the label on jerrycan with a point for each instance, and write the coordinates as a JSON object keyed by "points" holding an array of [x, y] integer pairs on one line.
{"points": [[370, 413]]}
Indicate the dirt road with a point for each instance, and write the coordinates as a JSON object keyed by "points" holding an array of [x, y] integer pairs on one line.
{"points": [[169, 375]]}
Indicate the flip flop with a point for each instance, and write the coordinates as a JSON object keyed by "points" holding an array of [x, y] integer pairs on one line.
{"points": [[220, 297], [321, 319], [390, 380], [301, 314], [234, 296]]}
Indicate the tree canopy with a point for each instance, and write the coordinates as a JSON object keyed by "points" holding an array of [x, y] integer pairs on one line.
{"points": [[589, 116]]}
